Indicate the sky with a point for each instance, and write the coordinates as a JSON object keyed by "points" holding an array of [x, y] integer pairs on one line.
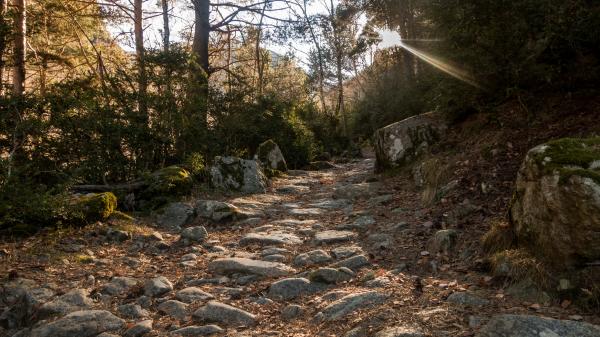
{"points": [[181, 23]]}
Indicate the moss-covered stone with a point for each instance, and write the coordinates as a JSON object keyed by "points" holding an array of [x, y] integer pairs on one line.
{"points": [[172, 180], [96, 207], [555, 211], [164, 185]]}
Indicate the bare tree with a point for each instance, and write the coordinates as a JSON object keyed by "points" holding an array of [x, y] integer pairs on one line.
{"points": [[303, 6]]}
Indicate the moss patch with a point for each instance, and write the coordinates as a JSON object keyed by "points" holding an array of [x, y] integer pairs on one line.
{"points": [[571, 157], [96, 207], [165, 184], [118, 215]]}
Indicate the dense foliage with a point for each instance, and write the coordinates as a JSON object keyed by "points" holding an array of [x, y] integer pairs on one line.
{"points": [[509, 48]]}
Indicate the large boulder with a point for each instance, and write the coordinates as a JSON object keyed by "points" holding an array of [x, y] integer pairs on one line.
{"points": [[401, 142], [270, 155], [236, 174], [534, 326], [555, 211]]}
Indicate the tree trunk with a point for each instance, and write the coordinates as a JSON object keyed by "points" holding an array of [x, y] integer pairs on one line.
{"points": [[19, 48], [140, 55], [3, 34], [199, 90], [201, 33], [341, 103], [166, 28]]}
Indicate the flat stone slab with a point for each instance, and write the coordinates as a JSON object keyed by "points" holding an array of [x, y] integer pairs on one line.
{"points": [[346, 251], [225, 314], [74, 300], [192, 294], [195, 331], [331, 204], [399, 331], [292, 189], [313, 257], [333, 236], [534, 326], [331, 275], [292, 222], [355, 191], [349, 304], [305, 211], [355, 262], [273, 238], [361, 223], [85, 323], [249, 266], [291, 288]]}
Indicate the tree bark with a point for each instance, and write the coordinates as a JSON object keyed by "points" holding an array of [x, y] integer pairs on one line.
{"points": [[166, 28], [201, 33], [199, 89], [3, 35], [140, 55], [19, 47]]}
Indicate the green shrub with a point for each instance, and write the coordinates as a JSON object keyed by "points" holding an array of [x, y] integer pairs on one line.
{"points": [[195, 164], [26, 207]]}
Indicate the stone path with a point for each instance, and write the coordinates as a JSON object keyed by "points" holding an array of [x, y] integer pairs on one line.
{"points": [[324, 253]]}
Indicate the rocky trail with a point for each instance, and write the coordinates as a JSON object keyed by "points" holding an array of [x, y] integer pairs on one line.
{"points": [[337, 252]]}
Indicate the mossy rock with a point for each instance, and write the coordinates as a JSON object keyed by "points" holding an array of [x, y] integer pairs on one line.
{"points": [[96, 207], [165, 184], [270, 155], [555, 211]]}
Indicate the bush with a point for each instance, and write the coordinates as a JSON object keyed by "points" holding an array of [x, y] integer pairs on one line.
{"points": [[25, 208]]}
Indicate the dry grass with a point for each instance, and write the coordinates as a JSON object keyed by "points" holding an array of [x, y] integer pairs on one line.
{"points": [[500, 237], [518, 265]]}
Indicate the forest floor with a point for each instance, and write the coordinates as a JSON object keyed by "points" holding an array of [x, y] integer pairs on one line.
{"points": [[405, 278]]}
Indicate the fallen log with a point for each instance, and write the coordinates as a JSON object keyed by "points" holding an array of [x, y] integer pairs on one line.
{"points": [[127, 187]]}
